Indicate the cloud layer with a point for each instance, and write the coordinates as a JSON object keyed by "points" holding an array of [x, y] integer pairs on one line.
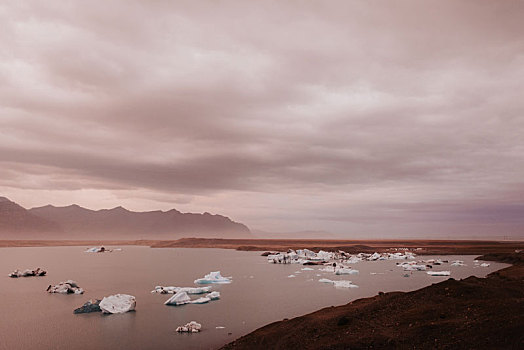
{"points": [[377, 119]]}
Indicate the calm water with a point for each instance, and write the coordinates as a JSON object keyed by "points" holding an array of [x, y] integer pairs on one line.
{"points": [[260, 293]]}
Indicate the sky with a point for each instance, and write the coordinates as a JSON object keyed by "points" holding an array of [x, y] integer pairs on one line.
{"points": [[362, 119]]}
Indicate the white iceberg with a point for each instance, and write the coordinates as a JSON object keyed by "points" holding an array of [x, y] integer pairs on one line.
{"points": [[339, 284], [214, 295], [484, 265], [179, 298], [191, 327], [345, 271], [307, 269], [291, 276], [182, 298], [213, 277], [118, 304], [201, 300], [457, 263], [439, 273], [174, 290]]}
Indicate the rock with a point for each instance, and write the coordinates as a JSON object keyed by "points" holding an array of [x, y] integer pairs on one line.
{"points": [[118, 304], [92, 305]]}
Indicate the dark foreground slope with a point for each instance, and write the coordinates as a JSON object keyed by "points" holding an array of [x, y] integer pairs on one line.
{"points": [[474, 313]]}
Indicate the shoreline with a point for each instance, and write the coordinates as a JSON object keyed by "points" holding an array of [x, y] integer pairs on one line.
{"points": [[468, 313], [419, 247]]}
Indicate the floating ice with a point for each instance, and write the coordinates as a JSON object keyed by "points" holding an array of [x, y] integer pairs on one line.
{"points": [[182, 298], [291, 276], [339, 284], [27, 273], [457, 263], [484, 265], [67, 287], [174, 290], [118, 304], [345, 271], [439, 273], [214, 295], [213, 277], [307, 269], [179, 298], [191, 327]]}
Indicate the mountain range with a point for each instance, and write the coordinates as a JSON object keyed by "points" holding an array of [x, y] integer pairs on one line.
{"points": [[75, 222]]}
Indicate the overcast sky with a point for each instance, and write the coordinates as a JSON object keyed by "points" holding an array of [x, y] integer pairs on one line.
{"points": [[364, 119]]}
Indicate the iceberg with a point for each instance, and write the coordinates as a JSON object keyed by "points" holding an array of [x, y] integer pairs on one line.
{"points": [[213, 277], [90, 306], [201, 300], [214, 295], [67, 287], [291, 276], [484, 265], [339, 284], [345, 271], [182, 298], [439, 273], [191, 327], [118, 304], [179, 298], [457, 263], [307, 269], [174, 290], [27, 273]]}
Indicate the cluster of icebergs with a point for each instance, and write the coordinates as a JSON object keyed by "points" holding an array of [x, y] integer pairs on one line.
{"points": [[181, 294], [27, 273], [309, 257]]}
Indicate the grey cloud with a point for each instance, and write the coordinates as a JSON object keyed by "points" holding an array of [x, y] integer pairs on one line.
{"points": [[235, 98]]}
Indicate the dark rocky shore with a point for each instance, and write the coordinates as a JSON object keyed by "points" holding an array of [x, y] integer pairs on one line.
{"points": [[473, 313]]}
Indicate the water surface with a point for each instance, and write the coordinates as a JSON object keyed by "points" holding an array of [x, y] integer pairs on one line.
{"points": [[260, 293]]}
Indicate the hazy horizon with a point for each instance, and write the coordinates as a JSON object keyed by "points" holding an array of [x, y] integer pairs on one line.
{"points": [[355, 119]]}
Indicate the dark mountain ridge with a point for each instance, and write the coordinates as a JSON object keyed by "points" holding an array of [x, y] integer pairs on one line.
{"points": [[73, 221]]}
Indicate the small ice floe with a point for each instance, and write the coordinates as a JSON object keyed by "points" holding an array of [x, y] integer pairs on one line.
{"points": [[27, 273], [484, 265], [439, 273], [220, 327], [291, 276], [118, 304], [179, 298], [345, 271], [458, 263], [376, 273], [182, 298], [92, 305], [174, 290], [214, 295], [191, 327], [339, 284], [307, 269], [412, 266], [96, 250], [213, 277], [67, 287]]}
